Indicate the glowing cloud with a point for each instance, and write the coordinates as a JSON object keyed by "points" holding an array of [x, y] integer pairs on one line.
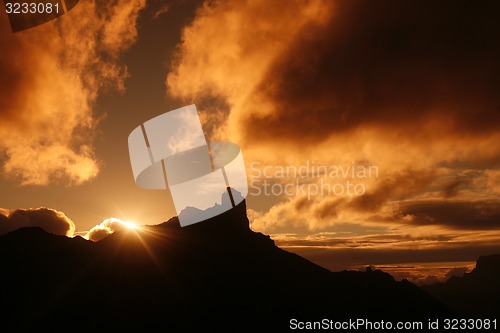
{"points": [[331, 81], [51, 76], [108, 227]]}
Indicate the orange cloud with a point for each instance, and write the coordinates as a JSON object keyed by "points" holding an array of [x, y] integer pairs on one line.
{"points": [[50, 220], [343, 81], [51, 76], [229, 48], [308, 72], [342, 250], [106, 228]]}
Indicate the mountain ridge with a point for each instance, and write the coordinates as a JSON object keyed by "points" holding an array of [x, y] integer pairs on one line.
{"points": [[218, 274], [476, 294]]}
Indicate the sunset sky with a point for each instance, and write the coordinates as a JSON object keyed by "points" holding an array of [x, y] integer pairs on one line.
{"points": [[408, 88]]}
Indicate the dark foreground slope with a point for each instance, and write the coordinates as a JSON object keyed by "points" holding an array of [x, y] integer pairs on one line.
{"points": [[215, 274], [476, 294]]}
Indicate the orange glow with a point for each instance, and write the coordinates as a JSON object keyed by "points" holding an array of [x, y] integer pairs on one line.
{"points": [[129, 225]]}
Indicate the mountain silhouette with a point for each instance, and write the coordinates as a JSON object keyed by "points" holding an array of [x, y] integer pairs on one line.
{"points": [[475, 294], [217, 275], [228, 198]]}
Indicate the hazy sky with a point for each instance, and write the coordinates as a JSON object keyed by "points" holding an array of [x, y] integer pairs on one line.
{"points": [[409, 88]]}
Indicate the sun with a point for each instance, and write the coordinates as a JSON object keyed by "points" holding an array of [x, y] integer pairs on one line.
{"points": [[129, 225]]}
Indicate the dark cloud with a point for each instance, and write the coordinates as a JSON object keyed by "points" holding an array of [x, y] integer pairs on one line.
{"points": [[326, 209], [346, 72], [456, 214], [407, 182], [342, 258], [457, 271], [451, 189], [50, 220], [355, 241], [389, 64]]}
